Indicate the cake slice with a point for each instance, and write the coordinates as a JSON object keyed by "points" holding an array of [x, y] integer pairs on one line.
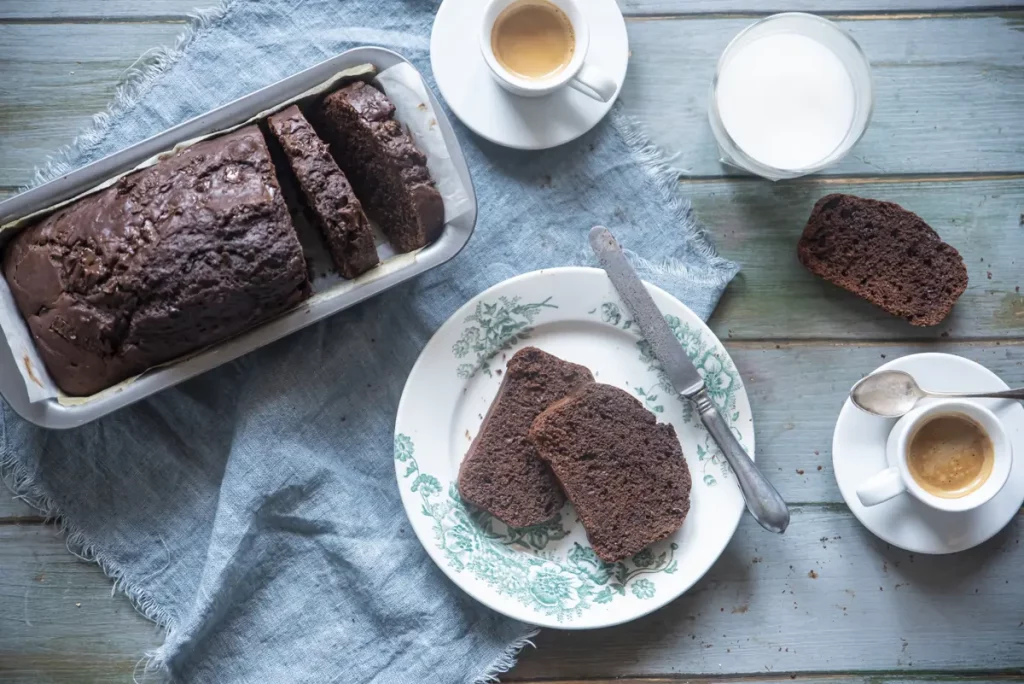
{"points": [[501, 472], [387, 170], [622, 470], [329, 196], [885, 254]]}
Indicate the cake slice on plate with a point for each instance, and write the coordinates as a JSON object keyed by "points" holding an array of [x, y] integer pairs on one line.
{"points": [[501, 472], [622, 470]]}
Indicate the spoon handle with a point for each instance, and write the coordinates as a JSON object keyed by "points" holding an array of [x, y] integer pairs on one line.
{"points": [[1005, 394]]}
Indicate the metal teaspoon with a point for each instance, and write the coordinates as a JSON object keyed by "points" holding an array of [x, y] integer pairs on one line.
{"points": [[893, 393]]}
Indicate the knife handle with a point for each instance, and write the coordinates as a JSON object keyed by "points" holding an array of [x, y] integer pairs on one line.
{"points": [[763, 502]]}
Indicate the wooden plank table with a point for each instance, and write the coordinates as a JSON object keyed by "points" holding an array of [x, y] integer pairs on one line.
{"points": [[826, 601]]}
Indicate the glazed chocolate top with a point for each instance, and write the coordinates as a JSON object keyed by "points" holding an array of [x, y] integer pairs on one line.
{"points": [[885, 254], [338, 213], [501, 473], [172, 258], [622, 470]]}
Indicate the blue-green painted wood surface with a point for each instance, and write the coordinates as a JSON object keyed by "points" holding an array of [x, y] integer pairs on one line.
{"points": [[947, 141]]}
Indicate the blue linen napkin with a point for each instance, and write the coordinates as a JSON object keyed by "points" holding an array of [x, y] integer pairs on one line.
{"points": [[253, 512]]}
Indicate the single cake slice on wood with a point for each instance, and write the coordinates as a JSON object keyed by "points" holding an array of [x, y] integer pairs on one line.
{"points": [[329, 196], [623, 471], [885, 254], [501, 472], [387, 170]]}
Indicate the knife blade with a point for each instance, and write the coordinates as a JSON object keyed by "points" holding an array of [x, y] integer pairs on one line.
{"points": [[763, 501], [648, 318]]}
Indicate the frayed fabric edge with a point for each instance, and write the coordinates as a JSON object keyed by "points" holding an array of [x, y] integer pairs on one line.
{"points": [[653, 161], [138, 80], [25, 488], [507, 660], [135, 83]]}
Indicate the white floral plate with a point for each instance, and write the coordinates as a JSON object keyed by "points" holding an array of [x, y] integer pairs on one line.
{"points": [[548, 575]]}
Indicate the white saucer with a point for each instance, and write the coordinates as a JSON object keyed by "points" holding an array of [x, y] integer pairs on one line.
{"points": [[858, 452], [509, 120]]}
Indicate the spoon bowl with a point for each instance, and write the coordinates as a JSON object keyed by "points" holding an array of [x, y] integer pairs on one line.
{"points": [[890, 394]]}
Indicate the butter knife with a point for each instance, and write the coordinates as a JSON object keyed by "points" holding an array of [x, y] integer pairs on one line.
{"points": [[763, 501]]}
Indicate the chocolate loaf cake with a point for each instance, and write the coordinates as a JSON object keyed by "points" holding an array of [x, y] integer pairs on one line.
{"points": [[170, 259], [622, 470], [329, 197], [387, 170], [501, 472], [885, 254]]}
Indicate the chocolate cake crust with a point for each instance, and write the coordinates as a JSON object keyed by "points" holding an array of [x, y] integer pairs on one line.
{"points": [[622, 470], [170, 259], [501, 472]]}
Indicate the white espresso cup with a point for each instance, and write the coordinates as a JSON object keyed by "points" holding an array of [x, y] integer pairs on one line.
{"points": [[897, 478], [577, 75]]}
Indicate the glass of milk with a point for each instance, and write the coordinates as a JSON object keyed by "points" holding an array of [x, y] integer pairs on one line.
{"points": [[792, 94]]}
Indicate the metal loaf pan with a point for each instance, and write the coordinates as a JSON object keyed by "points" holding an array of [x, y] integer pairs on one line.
{"points": [[56, 414]]}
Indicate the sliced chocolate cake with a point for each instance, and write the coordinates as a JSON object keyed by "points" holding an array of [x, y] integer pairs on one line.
{"points": [[622, 470], [501, 472], [329, 196], [885, 254], [387, 170]]}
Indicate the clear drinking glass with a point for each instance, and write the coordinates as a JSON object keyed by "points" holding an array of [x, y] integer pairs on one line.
{"points": [[831, 37]]}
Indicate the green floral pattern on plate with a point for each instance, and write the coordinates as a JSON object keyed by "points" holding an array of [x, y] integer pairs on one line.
{"points": [[517, 563], [720, 376], [549, 574], [497, 326]]}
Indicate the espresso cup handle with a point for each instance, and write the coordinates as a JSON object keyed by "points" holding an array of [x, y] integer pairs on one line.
{"points": [[882, 487], [594, 84]]}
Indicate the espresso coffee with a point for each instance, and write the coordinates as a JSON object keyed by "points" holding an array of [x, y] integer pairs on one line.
{"points": [[533, 39], [950, 456]]}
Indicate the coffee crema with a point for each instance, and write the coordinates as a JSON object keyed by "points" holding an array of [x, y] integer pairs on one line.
{"points": [[533, 39], [950, 456]]}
